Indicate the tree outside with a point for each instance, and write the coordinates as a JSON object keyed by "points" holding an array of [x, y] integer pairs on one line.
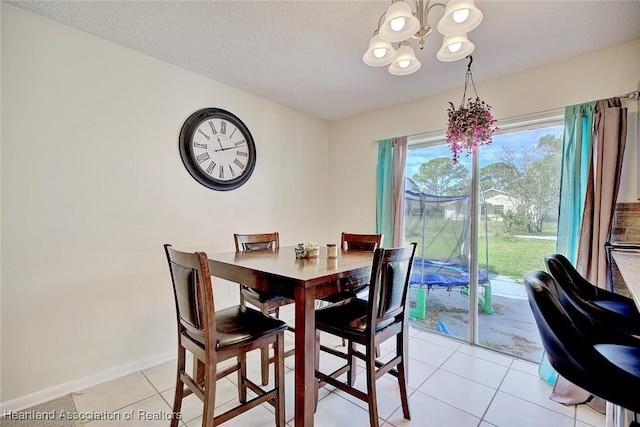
{"points": [[529, 178], [441, 177]]}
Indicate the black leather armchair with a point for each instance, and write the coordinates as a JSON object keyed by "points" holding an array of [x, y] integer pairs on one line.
{"points": [[604, 310], [607, 366]]}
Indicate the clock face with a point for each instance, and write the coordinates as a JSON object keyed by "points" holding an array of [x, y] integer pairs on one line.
{"points": [[217, 149]]}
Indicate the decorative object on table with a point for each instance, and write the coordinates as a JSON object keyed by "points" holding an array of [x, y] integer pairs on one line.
{"points": [[332, 250], [307, 250], [470, 125], [217, 149], [401, 22]]}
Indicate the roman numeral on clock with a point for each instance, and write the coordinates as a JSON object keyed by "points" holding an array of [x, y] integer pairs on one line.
{"points": [[211, 167], [203, 134], [199, 145], [213, 128], [202, 157], [238, 163], [223, 127]]}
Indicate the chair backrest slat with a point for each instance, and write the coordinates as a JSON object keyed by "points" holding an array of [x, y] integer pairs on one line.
{"points": [[192, 291], [390, 276], [361, 242], [254, 242]]}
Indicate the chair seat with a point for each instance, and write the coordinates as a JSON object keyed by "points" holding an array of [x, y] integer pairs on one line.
{"points": [[361, 292], [238, 325], [347, 318], [623, 356], [621, 307], [262, 297]]}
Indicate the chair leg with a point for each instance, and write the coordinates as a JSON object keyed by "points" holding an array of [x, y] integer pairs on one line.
{"points": [[264, 365], [402, 382], [198, 371], [353, 364], [179, 392], [278, 350], [209, 394], [403, 370], [264, 354], [242, 378], [371, 387], [316, 362]]}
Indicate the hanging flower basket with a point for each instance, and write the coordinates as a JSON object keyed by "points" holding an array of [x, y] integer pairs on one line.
{"points": [[470, 125]]}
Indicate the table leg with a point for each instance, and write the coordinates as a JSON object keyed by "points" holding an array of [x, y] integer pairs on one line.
{"points": [[305, 382]]}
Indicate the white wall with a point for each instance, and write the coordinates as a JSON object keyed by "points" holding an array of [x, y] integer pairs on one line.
{"points": [[353, 154], [93, 186]]}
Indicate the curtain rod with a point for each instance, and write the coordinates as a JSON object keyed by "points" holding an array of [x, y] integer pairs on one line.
{"points": [[631, 95]]}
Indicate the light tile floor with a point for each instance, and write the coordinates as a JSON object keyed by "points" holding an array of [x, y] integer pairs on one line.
{"points": [[450, 384]]}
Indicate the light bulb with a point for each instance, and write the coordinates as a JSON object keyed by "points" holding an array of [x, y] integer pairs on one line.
{"points": [[380, 52], [460, 15], [454, 47], [404, 63], [397, 24]]}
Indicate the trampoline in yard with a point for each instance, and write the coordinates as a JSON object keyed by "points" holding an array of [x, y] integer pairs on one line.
{"points": [[440, 225]]}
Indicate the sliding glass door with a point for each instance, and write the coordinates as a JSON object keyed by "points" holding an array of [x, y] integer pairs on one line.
{"points": [[515, 221]]}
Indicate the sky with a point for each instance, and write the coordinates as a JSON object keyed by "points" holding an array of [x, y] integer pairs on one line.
{"points": [[519, 141]]}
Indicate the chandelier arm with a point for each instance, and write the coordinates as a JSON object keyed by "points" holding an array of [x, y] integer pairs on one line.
{"points": [[421, 12], [381, 19], [431, 6]]}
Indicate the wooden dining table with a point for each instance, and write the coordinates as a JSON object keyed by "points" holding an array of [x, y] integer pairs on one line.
{"points": [[304, 280]]}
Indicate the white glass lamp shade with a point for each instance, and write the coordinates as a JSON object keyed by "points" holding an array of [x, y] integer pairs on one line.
{"points": [[455, 48], [460, 16], [399, 23], [379, 53], [405, 62]]}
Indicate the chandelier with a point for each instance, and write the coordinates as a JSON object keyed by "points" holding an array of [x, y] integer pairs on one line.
{"points": [[401, 22]]}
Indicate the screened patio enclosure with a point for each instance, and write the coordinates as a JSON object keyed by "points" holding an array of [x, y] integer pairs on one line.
{"points": [[439, 224]]}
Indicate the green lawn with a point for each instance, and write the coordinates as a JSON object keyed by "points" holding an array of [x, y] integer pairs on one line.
{"points": [[514, 256], [508, 255]]}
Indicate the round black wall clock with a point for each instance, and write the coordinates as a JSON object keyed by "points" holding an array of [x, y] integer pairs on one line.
{"points": [[217, 149]]}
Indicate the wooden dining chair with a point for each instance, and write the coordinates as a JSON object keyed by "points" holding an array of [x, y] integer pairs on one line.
{"points": [[361, 242], [215, 336], [369, 323], [266, 302], [356, 242]]}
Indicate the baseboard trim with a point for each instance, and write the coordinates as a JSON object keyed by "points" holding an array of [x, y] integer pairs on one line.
{"points": [[55, 392]]}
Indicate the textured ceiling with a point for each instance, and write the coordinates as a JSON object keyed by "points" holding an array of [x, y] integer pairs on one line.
{"points": [[307, 54]]}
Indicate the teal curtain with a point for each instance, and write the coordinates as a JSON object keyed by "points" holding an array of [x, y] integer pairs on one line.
{"points": [[576, 157], [384, 191]]}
